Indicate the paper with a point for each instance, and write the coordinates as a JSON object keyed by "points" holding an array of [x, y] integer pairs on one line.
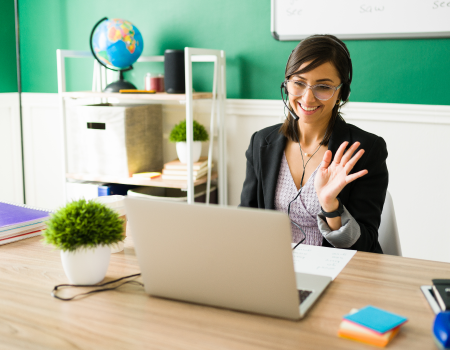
{"points": [[323, 261]]}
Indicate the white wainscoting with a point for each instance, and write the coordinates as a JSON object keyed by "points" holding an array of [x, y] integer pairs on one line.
{"points": [[416, 136], [42, 144], [11, 184]]}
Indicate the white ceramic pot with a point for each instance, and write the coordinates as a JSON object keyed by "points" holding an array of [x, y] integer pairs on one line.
{"points": [[86, 265], [182, 151], [116, 203]]}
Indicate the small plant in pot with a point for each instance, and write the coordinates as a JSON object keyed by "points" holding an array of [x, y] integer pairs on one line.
{"points": [[83, 231], [178, 135]]}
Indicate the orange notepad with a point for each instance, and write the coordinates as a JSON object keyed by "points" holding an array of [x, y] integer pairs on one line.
{"points": [[353, 331]]}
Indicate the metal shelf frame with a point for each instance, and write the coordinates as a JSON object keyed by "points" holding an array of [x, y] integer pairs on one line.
{"points": [[217, 57]]}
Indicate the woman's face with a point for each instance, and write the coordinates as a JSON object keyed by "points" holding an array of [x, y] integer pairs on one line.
{"points": [[309, 109]]}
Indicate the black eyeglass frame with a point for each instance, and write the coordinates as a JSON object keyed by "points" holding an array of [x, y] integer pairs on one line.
{"points": [[334, 88]]}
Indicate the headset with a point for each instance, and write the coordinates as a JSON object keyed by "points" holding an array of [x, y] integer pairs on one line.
{"points": [[345, 89]]}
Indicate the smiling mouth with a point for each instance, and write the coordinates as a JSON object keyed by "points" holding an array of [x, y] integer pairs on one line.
{"points": [[308, 109]]}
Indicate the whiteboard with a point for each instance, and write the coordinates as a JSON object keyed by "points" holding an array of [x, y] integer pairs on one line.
{"points": [[360, 19]]}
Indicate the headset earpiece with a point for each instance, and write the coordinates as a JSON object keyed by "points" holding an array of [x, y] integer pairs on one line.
{"points": [[283, 86], [345, 92]]}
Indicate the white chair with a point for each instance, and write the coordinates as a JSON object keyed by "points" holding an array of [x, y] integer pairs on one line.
{"points": [[388, 233]]}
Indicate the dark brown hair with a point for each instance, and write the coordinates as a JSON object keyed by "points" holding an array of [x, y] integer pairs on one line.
{"points": [[319, 49]]}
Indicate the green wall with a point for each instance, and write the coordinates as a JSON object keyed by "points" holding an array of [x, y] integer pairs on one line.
{"points": [[396, 71], [8, 72]]}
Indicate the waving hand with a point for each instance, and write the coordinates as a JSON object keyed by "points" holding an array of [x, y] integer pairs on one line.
{"points": [[332, 177]]}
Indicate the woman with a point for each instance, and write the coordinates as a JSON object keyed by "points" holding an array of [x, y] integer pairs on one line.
{"points": [[329, 176]]}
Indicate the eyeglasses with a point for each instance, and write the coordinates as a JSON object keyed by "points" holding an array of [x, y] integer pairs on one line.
{"points": [[320, 91]]}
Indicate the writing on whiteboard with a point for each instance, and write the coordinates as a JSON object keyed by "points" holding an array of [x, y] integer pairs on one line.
{"points": [[293, 12], [370, 8], [293, 9], [360, 19], [441, 4]]}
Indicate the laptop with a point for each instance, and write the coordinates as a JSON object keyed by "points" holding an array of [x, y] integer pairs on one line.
{"points": [[227, 257]]}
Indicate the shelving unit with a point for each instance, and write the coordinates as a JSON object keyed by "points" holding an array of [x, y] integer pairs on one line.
{"points": [[158, 96], [218, 97], [156, 182]]}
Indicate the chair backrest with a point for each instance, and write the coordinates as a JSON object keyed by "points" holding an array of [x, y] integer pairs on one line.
{"points": [[388, 233]]}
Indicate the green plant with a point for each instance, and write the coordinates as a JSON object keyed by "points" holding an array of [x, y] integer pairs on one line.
{"points": [[83, 224], [178, 133]]}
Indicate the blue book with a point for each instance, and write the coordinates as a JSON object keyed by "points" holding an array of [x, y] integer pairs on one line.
{"points": [[379, 320], [112, 189]]}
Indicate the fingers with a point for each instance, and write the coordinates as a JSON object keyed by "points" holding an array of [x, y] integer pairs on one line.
{"points": [[340, 152], [349, 153], [351, 163], [326, 160], [353, 177]]}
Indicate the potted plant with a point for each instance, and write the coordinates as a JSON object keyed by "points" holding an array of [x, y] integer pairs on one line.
{"points": [[178, 135], [83, 231]]}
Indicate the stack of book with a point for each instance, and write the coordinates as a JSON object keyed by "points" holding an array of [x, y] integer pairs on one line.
{"points": [[371, 325], [175, 170], [19, 222]]}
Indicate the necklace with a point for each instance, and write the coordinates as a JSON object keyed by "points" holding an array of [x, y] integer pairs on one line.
{"points": [[310, 154]]}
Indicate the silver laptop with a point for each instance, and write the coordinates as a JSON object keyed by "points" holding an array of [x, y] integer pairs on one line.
{"points": [[235, 258]]}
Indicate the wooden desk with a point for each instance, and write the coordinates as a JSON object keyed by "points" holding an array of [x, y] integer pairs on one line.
{"points": [[129, 319]]}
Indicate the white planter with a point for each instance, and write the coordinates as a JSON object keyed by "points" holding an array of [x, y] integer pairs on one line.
{"points": [[182, 151], [86, 265]]}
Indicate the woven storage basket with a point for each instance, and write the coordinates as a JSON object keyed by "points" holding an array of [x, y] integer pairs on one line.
{"points": [[114, 140]]}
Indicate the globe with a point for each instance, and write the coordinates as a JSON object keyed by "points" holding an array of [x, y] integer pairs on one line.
{"points": [[116, 44]]}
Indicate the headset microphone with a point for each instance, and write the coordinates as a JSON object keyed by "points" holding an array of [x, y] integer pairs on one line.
{"points": [[283, 86]]}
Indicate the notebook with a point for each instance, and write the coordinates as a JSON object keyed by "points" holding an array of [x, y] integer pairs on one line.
{"points": [[20, 221], [177, 165]]}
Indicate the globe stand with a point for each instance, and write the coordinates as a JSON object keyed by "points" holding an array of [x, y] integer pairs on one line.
{"points": [[120, 84]]}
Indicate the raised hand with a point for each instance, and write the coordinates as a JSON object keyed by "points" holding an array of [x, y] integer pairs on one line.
{"points": [[331, 178]]}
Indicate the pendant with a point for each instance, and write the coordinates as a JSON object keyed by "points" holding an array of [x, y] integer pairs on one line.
{"points": [[307, 154]]}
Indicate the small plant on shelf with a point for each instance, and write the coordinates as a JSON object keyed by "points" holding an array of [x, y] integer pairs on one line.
{"points": [[178, 135], [83, 231]]}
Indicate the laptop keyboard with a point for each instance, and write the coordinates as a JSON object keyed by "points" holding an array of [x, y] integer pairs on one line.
{"points": [[303, 294]]}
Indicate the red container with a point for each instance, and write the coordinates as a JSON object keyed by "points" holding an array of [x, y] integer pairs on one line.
{"points": [[154, 82]]}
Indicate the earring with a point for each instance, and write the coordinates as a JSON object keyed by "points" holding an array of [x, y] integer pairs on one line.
{"points": [[337, 102]]}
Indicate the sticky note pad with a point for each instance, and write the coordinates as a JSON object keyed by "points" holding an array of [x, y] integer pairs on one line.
{"points": [[350, 330], [379, 320]]}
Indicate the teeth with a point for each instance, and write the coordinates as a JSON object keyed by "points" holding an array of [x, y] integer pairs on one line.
{"points": [[310, 109]]}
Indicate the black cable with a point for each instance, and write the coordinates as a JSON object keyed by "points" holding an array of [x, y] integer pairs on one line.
{"points": [[304, 169], [301, 187], [53, 294]]}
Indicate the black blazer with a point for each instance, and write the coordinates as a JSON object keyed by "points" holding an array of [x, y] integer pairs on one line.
{"points": [[363, 198]]}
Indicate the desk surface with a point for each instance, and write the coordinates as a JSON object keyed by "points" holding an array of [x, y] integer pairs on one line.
{"points": [[128, 318]]}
